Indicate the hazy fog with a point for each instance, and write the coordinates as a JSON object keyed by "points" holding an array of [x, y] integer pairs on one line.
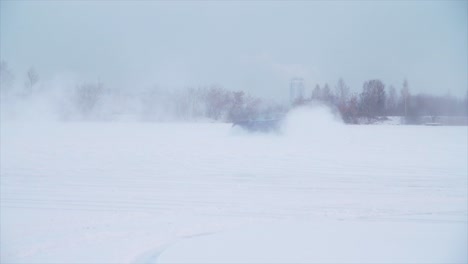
{"points": [[129, 128], [252, 46]]}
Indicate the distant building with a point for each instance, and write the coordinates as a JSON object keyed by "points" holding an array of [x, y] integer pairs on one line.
{"points": [[296, 89]]}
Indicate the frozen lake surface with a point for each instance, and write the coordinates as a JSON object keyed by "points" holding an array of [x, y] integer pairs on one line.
{"points": [[139, 192]]}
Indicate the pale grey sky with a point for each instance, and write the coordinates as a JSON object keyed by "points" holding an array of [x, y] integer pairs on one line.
{"points": [[254, 46]]}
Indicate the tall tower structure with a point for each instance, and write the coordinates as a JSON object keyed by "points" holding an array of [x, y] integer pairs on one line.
{"points": [[296, 89]]}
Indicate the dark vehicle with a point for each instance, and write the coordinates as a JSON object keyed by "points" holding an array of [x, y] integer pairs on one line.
{"points": [[259, 125]]}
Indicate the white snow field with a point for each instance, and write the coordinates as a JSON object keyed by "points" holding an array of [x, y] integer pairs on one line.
{"points": [[170, 192]]}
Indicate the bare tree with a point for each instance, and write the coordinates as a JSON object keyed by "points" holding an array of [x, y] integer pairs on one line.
{"points": [[31, 80], [373, 96], [327, 95], [217, 102], [352, 110], [341, 92], [196, 103], [317, 93], [236, 112], [86, 98]]}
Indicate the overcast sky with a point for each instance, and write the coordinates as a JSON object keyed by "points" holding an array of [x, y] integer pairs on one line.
{"points": [[253, 46]]}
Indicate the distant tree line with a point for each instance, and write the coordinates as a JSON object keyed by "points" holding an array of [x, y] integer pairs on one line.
{"points": [[212, 102], [95, 101], [374, 102]]}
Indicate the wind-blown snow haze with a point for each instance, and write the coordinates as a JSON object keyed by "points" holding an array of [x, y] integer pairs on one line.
{"points": [[313, 122], [233, 132]]}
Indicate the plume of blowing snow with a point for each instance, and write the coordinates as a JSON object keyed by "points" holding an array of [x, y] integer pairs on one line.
{"points": [[317, 121]]}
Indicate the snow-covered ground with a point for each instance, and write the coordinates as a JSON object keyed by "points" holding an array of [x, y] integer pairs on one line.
{"points": [[148, 192], [327, 242]]}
